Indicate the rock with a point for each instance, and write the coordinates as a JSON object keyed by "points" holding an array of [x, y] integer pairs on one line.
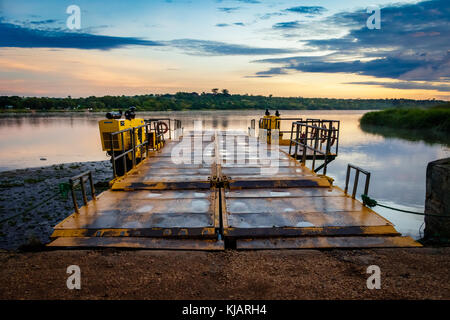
{"points": [[437, 201]]}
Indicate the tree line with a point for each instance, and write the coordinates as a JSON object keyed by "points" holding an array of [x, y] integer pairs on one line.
{"points": [[216, 100]]}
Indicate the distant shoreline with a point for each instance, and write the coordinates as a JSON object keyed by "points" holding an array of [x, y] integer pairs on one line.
{"points": [[20, 112], [190, 101]]}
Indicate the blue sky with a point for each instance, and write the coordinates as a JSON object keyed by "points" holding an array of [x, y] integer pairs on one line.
{"points": [[286, 48]]}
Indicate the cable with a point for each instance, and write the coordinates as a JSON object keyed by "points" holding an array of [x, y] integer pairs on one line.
{"points": [[420, 232], [372, 203]]}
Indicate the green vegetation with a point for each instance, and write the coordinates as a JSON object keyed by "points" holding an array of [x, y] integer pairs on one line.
{"points": [[436, 118], [205, 101]]}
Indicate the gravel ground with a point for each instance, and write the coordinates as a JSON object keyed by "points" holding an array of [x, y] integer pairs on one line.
{"points": [[415, 273], [23, 195]]}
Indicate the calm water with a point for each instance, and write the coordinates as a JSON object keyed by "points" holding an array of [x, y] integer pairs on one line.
{"points": [[398, 166]]}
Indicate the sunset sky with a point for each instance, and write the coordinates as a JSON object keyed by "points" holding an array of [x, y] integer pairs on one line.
{"points": [[285, 48]]}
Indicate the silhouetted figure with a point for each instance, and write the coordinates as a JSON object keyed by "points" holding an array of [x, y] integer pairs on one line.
{"points": [[267, 112]]}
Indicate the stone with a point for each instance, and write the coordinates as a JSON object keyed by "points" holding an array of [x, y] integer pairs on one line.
{"points": [[437, 201]]}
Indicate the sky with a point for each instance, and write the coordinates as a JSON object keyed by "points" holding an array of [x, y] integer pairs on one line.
{"points": [[284, 48]]}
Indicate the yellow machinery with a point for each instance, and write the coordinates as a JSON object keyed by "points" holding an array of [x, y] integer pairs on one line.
{"points": [[269, 123], [117, 139], [113, 125]]}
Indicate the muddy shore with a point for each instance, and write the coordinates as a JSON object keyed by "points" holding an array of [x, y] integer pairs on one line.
{"points": [[31, 202]]}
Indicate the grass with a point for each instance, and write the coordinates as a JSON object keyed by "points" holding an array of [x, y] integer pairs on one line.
{"points": [[436, 118]]}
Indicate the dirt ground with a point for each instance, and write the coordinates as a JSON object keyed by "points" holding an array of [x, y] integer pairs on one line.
{"points": [[416, 273]]}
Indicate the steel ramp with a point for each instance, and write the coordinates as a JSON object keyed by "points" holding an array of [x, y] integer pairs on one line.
{"points": [[239, 198], [157, 205]]}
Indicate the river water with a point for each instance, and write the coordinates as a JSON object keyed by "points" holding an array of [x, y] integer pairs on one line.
{"points": [[398, 166]]}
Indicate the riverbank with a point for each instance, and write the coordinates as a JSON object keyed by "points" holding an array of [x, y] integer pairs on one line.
{"points": [[31, 202], [435, 119], [415, 273]]}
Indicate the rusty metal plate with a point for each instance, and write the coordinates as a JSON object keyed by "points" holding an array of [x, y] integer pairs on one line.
{"points": [[138, 243], [142, 210], [326, 242], [306, 182], [266, 173], [296, 211], [309, 231], [284, 193]]}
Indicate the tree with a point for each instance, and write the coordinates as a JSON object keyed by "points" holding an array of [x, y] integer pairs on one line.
{"points": [[225, 92], [215, 91]]}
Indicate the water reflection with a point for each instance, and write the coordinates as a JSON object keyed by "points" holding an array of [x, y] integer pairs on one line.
{"points": [[398, 166], [428, 136]]}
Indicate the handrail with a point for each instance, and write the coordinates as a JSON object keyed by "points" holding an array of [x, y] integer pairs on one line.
{"points": [[355, 182], [177, 124], [252, 128], [313, 134], [80, 180], [150, 125]]}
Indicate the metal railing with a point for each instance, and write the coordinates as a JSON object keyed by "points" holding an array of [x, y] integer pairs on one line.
{"points": [[155, 128], [266, 123], [355, 182], [176, 124], [80, 180], [252, 128], [315, 135], [333, 125], [152, 127]]}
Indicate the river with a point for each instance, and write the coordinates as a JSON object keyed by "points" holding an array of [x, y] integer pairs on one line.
{"points": [[398, 166]]}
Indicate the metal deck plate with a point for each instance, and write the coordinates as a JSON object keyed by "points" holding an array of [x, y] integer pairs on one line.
{"points": [[298, 211], [180, 213], [164, 173]]}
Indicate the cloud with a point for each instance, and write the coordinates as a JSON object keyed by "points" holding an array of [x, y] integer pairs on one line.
{"points": [[405, 85], [286, 25], [269, 15], [412, 45], [17, 36], [12, 35], [229, 10], [39, 22], [216, 48], [243, 1], [258, 76], [272, 71], [249, 1], [222, 25], [313, 10]]}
